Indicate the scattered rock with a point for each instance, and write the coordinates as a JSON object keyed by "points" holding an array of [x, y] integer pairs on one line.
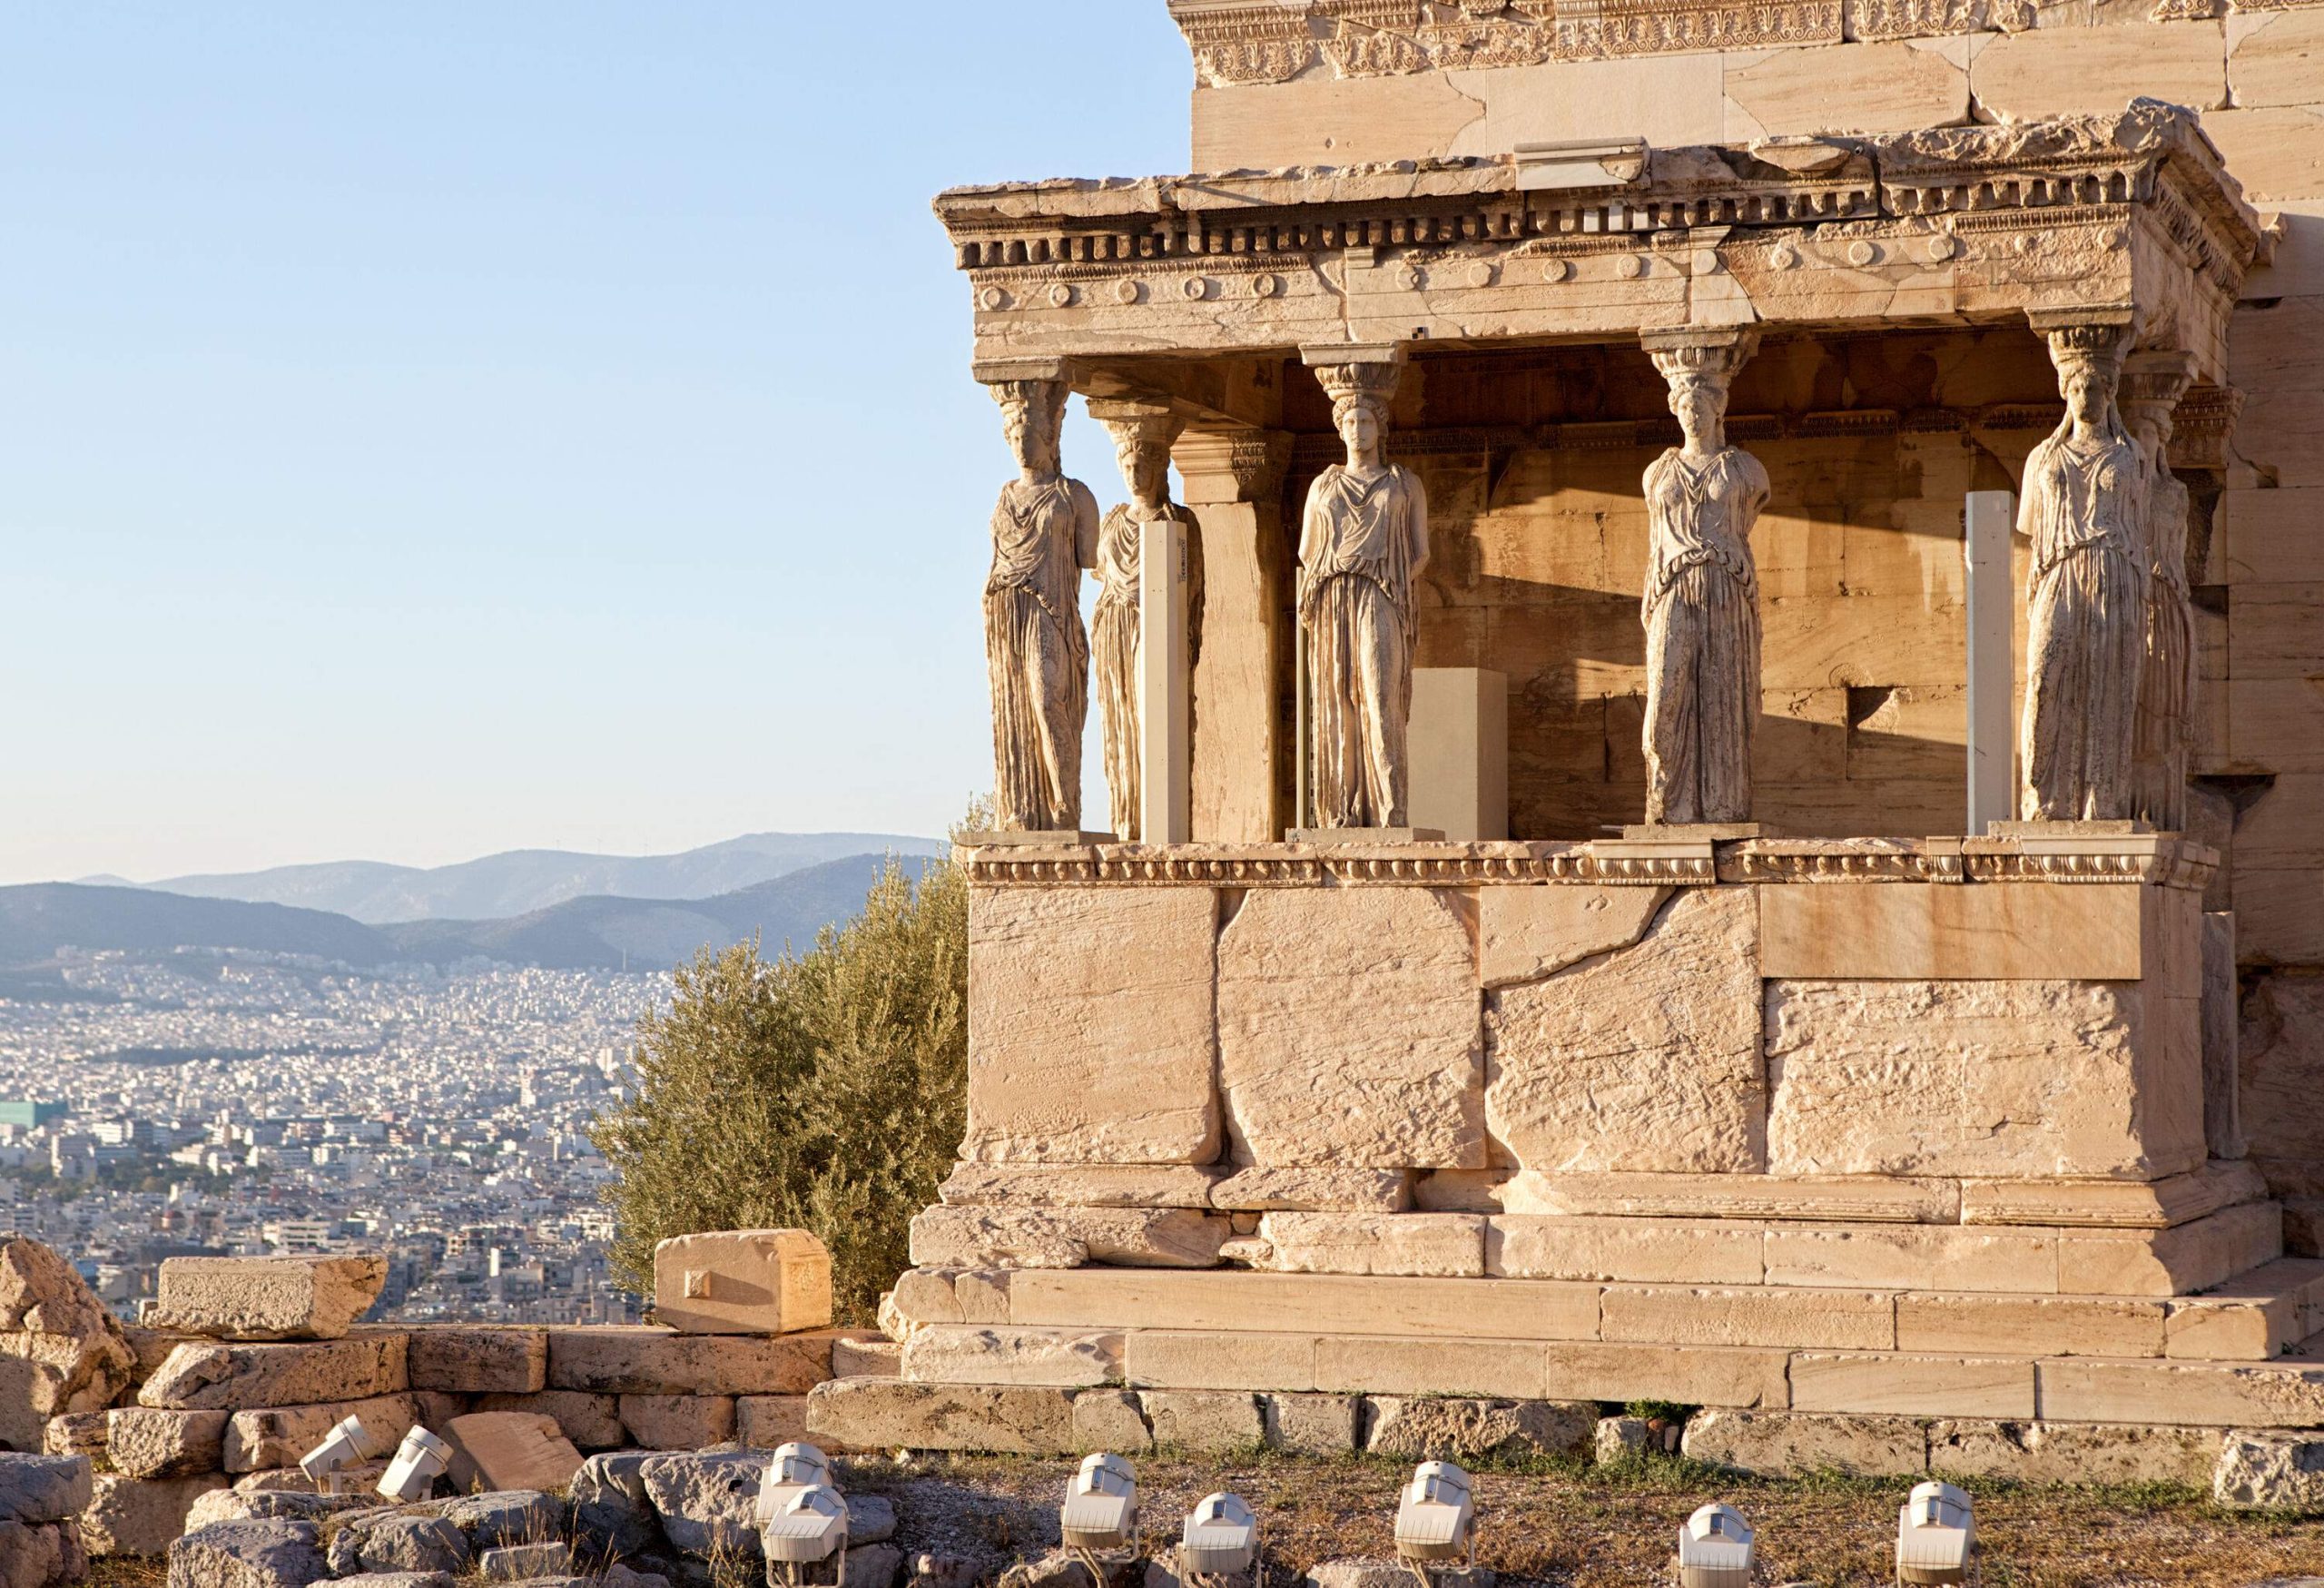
{"points": [[140, 1516], [2261, 1469], [209, 1375], [871, 1519], [61, 1351], [612, 1514], [511, 1516], [1377, 1573], [1458, 1429], [44, 1489], [938, 1570], [267, 1298], [144, 1442], [247, 1555], [518, 1562], [872, 1566], [223, 1506], [706, 1500], [618, 1575], [411, 1544], [40, 1555]]}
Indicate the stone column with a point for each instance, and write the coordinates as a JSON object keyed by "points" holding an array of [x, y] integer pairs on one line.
{"points": [[1701, 605], [2164, 738], [1142, 653], [2083, 509], [1243, 747]]}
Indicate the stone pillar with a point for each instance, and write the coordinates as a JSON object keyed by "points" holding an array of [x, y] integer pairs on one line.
{"points": [[1701, 607], [1992, 611], [1144, 554], [1243, 747], [2164, 738]]}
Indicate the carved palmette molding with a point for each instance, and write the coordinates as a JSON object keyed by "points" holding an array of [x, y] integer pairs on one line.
{"points": [[1596, 29], [1235, 45], [1298, 866], [1904, 19]]}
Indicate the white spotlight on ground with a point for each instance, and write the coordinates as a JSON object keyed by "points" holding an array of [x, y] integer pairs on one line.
{"points": [[420, 1461], [1436, 1519], [1100, 1517], [347, 1445], [792, 1468], [1220, 1542], [1937, 1536], [1716, 1549], [810, 1529]]}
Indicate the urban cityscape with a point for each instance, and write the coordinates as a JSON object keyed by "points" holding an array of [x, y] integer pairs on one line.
{"points": [[235, 1103]]}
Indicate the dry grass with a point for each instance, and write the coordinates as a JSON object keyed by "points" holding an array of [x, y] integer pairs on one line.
{"points": [[1579, 1527]]}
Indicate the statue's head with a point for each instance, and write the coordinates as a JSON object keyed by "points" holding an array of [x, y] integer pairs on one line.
{"points": [[1032, 416], [1142, 442], [1698, 373], [1700, 405], [1361, 395], [2090, 368]]}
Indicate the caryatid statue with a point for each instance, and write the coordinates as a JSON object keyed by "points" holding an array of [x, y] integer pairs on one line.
{"points": [[2163, 732], [1044, 533], [2083, 510], [1701, 607], [1363, 542], [1142, 441]]}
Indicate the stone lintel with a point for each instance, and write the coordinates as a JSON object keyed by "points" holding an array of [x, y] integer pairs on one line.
{"points": [[1330, 355]]}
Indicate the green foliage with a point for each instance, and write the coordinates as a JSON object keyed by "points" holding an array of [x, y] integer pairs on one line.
{"points": [[824, 1092]]}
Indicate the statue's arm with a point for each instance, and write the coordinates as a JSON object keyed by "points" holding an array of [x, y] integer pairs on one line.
{"points": [[1085, 527], [1417, 523]]}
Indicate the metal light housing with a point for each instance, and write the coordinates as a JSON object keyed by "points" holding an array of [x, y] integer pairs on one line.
{"points": [[1101, 1511], [1717, 1549], [793, 1467], [347, 1443], [420, 1461], [1220, 1539], [1435, 1517], [811, 1528], [1936, 1535]]}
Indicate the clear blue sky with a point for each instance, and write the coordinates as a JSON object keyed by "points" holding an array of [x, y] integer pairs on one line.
{"points": [[430, 428]]}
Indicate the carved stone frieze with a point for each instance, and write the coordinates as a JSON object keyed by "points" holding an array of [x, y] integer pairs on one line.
{"points": [[1904, 19], [1596, 29], [1234, 44], [2205, 418]]}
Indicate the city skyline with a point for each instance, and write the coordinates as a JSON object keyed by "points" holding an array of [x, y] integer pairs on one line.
{"points": [[407, 462]]}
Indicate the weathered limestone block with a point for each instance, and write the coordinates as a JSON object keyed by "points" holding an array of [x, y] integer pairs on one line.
{"points": [[2034, 1325], [676, 1421], [1701, 1314], [1078, 1185], [267, 1298], [864, 1354], [2285, 1395], [140, 1516], [1524, 934], [405, 1544], [2280, 1062], [921, 1296], [74, 1433], [612, 1514], [942, 1354], [2264, 1470], [2072, 1453], [42, 1555], [1980, 1079], [1109, 1419], [1645, 1059], [618, 1359], [146, 1443], [509, 1451], [281, 1435], [883, 1414], [742, 1282], [1420, 1245], [592, 1422], [1644, 1250], [705, 1501], [1459, 1429], [1211, 1422], [1066, 1238], [1090, 1030], [520, 1562], [35, 1489], [247, 1555], [1313, 1425], [403, 1580], [61, 1351], [505, 1516], [1790, 1444], [1313, 1190], [763, 1422], [236, 1377], [1348, 1029], [1912, 1387], [269, 1506], [478, 1361]]}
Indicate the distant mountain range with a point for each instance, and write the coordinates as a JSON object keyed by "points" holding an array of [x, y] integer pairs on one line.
{"points": [[523, 882], [592, 931]]}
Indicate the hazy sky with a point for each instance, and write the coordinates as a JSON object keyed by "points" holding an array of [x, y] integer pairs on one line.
{"points": [[434, 427]]}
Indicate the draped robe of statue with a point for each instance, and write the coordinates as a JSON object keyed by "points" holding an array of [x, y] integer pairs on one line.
{"points": [[1037, 653], [1362, 542], [1114, 648], [1702, 634], [2166, 697], [2085, 625]]}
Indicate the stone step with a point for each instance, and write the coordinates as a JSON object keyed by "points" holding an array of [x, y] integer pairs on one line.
{"points": [[2256, 1317]]}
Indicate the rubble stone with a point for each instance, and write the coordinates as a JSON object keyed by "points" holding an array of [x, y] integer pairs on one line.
{"points": [[140, 1516], [478, 1361], [519, 1562], [411, 1544], [1313, 1425], [509, 1451], [1791, 1444], [247, 1555], [143, 1441], [1456, 1429], [42, 1555], [270, 1506], [2265, 1469], [872, 1566], [238, 1378], [678, 1422], [281, 1435], [1619, 1439], [61, 1351], [74, 1433], [592, 1422], [506, 1516], [42, 1488], [614, 1359], [707, 1501], [611, 1513], [267, 1298]]}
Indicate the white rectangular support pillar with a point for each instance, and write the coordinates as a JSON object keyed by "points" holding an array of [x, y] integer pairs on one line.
{"points": [[1458, 749], [1988, 522], [1165, 747]]}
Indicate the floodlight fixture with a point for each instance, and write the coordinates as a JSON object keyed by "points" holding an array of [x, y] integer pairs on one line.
{"points": [[1436, 1519], [808, 1531], [794, 1466], [1717, 1549], [1099, 1520], [1220, 1542], [1937, 1536], [420, 1461], [347, 1445]]}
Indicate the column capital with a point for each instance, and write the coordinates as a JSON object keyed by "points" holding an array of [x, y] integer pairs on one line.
{"points": [[1148, 421], [1014, 371], [2158, 376], [2200, 425], [1233, 465], [1706, 352]]}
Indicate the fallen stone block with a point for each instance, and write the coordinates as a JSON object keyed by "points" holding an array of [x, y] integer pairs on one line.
{"points": [[2265, 1469], [140, 1516], [395, 1580], [211, 1376], [518, 1562], [742, 1282], [509, 1450], [219, 1505], [404, 1544], [874, 1566], [1313, 1424], [1454, 1428], [35, 1489], [1211, 1422], [146, 1442], [1792, 1443], [267, 1298], [478, 1361], [678, 1422], [614, 1359], [765, 1421], [60, 1350], [592, 1422], [506, 1516], [1070, 1358], [883, 1414], [1379, 1573], [282, 1435], [42, 1555], [247, 1555], [1067, 1238], [612, 1514], [74, 1433], [707, 1501], [2073, 1452]]}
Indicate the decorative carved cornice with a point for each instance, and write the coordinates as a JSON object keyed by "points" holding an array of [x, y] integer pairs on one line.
{"points": [[2205, 418], [1904, 19]]}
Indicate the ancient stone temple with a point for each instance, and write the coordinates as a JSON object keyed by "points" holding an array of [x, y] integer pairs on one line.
{"points": [[1573, 971]]}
